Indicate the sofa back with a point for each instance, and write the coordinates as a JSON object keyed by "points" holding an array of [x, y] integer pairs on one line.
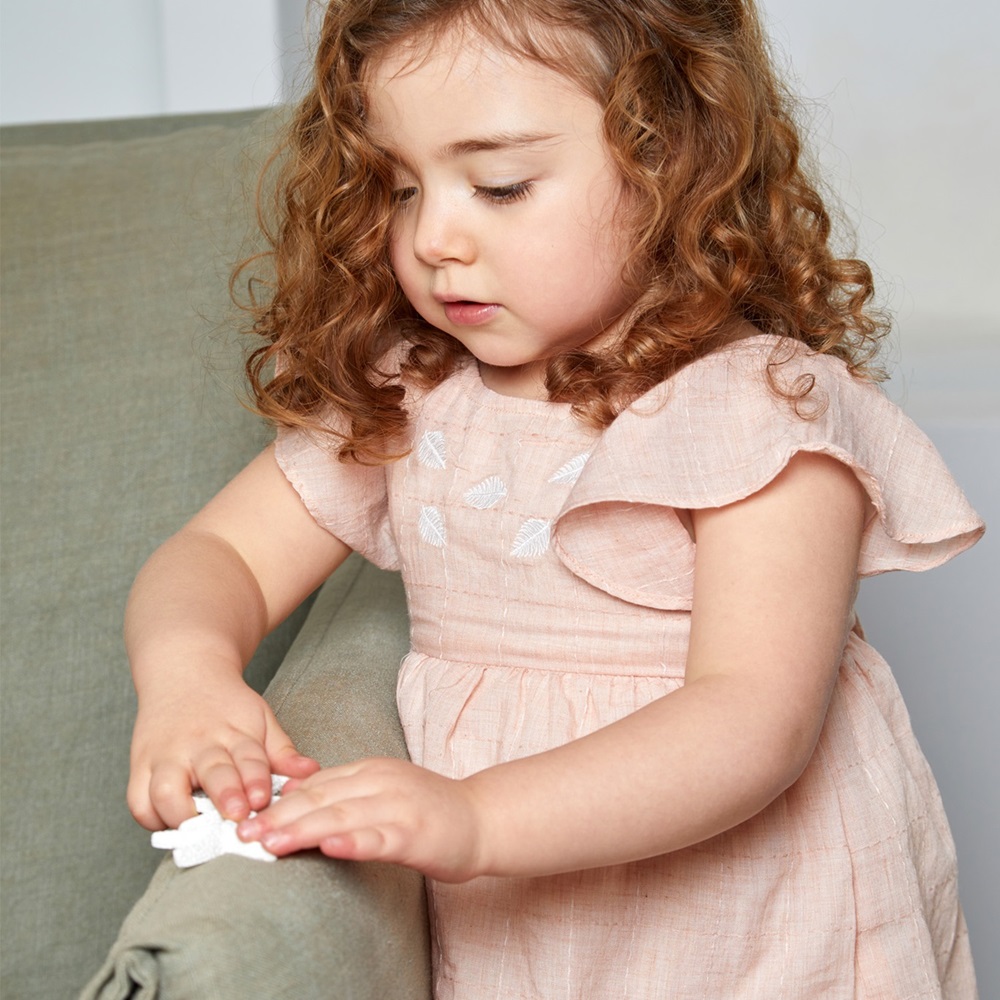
{"points": [[120, 418]]}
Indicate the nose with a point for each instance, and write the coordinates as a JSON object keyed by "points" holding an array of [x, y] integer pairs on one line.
{"points": [[443, 232]]}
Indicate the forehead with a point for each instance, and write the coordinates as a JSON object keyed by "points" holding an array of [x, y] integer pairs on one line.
{"points": [[460, 84]]}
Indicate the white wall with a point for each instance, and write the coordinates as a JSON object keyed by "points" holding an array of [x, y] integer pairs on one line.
{"points": [[65, 59], [910, 96], [68, 59]]}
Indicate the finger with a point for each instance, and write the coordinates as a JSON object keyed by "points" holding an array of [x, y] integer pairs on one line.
{"points": [[321, 791], [316, 779], [282, 756], [351, 820], [139, 803], [254, 771], [219, 777], [369, 844], [170, 794], [362, 779], [285, 810]]}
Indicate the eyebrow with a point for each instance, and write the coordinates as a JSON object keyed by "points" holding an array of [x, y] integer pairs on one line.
{"points": [[491, 143], [483, 144]]}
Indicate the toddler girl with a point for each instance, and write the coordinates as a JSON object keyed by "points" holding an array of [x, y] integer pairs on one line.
{"points": [[560, 336]]}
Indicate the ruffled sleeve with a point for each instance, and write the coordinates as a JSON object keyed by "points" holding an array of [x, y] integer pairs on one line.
{"points": [[716, 433], [349, 500]]}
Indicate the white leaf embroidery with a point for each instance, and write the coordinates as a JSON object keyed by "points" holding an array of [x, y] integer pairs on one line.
{"points": [[431, 451], [432, 526], [570, 472], [532, 539], [487, 494]]}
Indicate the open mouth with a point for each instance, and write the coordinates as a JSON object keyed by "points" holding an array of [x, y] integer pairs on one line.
{"points": [[466, 313]]}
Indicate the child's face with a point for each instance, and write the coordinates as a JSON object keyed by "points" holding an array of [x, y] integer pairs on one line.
{"points": [[507, 236]]}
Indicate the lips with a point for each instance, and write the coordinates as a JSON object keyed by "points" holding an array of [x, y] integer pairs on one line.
{"points": [[466, 313]]}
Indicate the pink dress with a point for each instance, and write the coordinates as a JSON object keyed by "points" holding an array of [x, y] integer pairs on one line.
{"points": [[549, 583]]}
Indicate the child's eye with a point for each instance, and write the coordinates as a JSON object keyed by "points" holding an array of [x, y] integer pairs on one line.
{"points": [[504, 194], [402, 195]]}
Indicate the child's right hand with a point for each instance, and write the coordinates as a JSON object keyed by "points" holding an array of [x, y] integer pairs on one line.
{"points": [[219, 736], [198, 609]]}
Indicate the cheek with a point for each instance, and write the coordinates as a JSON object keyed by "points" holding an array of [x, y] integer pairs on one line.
{"points": [[401, 260], [591, 231], [595, 257]]}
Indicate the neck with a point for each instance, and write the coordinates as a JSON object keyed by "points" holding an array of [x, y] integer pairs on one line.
{"points": [[522, 381]]}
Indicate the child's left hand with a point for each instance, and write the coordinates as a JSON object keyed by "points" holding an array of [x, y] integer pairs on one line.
{"points": [[380, 809]]}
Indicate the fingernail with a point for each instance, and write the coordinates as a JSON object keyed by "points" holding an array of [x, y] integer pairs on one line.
{"points": [[233, 806], [247, 830], [274, 842]]}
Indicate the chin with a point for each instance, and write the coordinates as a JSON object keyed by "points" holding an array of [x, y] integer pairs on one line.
{"points": [[492, 351]]}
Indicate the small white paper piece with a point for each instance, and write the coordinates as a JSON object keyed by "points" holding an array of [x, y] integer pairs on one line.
{"points": [[207, 835]]}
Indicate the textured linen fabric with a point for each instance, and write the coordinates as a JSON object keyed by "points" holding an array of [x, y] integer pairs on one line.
{"points": [[549, 585], [113, 289]]}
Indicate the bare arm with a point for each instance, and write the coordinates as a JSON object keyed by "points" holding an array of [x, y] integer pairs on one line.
{"points": [[774, 585], [197, 611]]}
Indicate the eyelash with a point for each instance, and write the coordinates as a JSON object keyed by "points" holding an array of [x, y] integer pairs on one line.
{"points": [[401, 196], [505, 194]]}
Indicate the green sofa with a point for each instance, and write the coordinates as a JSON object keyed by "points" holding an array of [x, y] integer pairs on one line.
{"points": [[121, 416]]}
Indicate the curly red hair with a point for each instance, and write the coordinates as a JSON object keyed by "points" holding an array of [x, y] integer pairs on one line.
{"points": [[727, 226]]}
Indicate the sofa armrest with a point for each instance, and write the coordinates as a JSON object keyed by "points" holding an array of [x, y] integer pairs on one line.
{"points": [[305, 926]]}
